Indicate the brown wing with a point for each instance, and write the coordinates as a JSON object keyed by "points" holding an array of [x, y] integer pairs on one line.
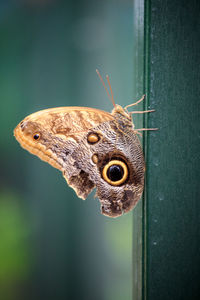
{"points": [[69, 120], [59, 129]]}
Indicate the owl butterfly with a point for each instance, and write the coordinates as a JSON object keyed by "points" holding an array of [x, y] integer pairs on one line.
{"points": [[92, 148]]}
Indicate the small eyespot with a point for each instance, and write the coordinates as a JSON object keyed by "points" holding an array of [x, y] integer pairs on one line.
{"points": [[95, 158], [93, 138], [36, 136], [115, 172]]}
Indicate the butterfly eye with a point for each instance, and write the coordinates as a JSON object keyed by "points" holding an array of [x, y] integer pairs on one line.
{"points": [[115, 172], [36, 136]]}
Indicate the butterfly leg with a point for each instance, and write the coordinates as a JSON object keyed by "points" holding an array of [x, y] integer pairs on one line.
{"points": [[140, 100], [137, 132], [144, 129], [142, 112]]}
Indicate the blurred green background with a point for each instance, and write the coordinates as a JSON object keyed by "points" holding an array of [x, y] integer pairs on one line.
{"points": [[53, 244]]}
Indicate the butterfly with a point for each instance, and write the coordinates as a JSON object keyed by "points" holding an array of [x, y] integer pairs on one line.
{"points": [[93, 149]]}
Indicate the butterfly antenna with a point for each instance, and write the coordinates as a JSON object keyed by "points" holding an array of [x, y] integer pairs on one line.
{"points": [[112, 99], [104, 85]]}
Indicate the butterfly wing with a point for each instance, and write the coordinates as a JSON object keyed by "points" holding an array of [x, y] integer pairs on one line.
{"points": [[60, 131], [115, 146], [60, 136]]}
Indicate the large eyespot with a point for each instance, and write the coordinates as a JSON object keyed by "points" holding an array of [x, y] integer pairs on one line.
{"points": [[36, 136], [115, 172]]}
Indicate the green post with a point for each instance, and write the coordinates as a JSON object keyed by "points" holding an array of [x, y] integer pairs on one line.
{"points": [[173, 156]]}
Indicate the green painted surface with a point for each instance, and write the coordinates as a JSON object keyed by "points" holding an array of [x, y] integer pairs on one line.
{"points": [[173, 173]]}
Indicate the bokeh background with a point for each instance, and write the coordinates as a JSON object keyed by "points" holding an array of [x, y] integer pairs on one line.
{"points": [[53, 245]]}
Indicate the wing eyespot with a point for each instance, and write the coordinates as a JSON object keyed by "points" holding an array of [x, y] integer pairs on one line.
{"points": [[95, 158], [36, 136], [115, 172], [93, 138]]}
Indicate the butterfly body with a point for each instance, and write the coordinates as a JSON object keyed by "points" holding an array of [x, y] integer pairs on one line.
{"points": [[92, 148]]}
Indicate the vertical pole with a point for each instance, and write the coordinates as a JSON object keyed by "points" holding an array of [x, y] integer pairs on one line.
{"points": [[138, 91]]}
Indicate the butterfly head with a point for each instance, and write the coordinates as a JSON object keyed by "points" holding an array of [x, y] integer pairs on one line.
{"points": [[119, 110]]}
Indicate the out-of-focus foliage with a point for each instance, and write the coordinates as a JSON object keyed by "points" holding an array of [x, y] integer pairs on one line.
{"points": [[53, 245], [16, 258]]}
